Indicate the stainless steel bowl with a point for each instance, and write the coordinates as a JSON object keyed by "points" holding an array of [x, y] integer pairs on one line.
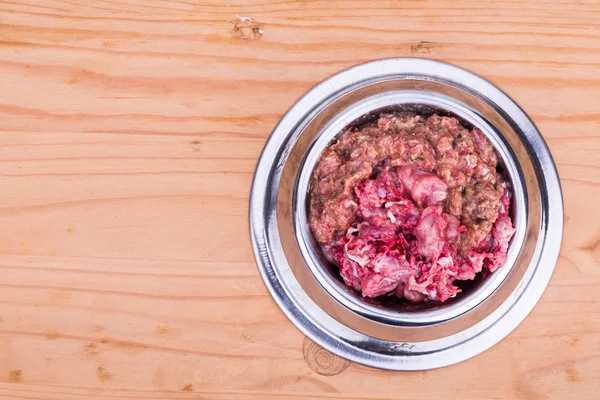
{"points": [[395, 335]]}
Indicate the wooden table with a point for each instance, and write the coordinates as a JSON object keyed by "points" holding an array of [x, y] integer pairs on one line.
{"points": [[130, 132]]}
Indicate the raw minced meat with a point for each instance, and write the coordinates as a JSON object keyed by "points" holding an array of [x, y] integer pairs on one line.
{"points": [[406, 205]]}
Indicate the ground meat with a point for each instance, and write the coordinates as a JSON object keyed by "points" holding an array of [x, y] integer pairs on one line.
{"points": [[406, 205]]}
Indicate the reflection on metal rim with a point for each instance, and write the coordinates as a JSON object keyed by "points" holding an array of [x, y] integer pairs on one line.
{"points": [[366, 331]]}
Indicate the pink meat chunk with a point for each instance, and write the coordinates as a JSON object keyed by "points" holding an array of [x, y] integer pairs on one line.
{"points": [[431, 233], [424, 187]]}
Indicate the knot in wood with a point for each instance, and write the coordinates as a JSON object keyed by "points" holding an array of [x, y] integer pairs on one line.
{"points": [[322, 361]]}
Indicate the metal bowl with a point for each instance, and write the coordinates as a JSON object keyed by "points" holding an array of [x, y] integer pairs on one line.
{"points": [[395, 335]]}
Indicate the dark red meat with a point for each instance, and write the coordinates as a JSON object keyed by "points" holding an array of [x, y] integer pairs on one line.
{"points": [[407, 206]]}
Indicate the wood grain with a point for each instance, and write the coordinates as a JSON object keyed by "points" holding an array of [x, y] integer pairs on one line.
{"points": [[130, 131]]}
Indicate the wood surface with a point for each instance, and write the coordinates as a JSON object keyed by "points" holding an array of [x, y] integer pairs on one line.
{"points": [[129, 134]]}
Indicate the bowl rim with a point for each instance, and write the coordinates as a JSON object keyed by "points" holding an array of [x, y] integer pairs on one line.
{"points": [[439, 312]]}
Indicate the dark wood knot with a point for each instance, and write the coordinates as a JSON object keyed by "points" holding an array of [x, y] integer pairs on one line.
{"points": [[322, 361]]}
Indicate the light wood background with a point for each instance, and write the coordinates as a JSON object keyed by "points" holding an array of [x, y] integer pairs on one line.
{"points": [[129, 132]]}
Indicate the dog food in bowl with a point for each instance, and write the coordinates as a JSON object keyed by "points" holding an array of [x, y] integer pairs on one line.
{"points": [[407, 204]]}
